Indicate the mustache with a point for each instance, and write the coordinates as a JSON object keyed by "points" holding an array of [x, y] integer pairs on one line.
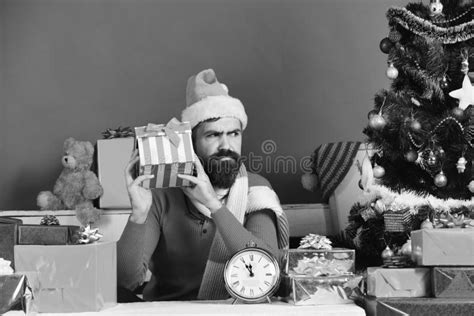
{"points": [[225, 153]]}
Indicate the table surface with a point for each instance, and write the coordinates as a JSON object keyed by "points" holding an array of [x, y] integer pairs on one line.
{"points": [[218, 308]]}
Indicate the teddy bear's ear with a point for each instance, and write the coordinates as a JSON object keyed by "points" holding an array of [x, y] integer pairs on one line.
{"points": [[89, 148], [68, 142]]}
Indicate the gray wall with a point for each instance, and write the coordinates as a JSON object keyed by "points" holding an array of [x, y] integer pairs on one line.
{"points": [[305, 70]]}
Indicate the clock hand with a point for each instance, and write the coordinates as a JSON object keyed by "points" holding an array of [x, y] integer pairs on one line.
{"points": [[249, 267]]}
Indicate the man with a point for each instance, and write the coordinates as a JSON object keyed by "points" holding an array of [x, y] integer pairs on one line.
{"points": [[184, 236]]}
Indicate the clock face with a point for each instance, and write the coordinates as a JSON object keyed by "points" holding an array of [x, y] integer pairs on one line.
{"points": [[252, 274]]}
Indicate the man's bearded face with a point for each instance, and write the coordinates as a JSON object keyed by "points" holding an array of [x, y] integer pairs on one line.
{"points": [[222, 168]]}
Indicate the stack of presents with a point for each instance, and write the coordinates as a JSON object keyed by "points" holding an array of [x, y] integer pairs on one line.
{"points": [[44, 268], [440, 280]]}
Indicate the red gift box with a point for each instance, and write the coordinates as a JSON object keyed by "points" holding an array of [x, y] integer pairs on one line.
{"points": [[165, 151]]}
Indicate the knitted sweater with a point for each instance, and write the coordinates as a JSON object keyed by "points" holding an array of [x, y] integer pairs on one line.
{"points": [[175, 240]]}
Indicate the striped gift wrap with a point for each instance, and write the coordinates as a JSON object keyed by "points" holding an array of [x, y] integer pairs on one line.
{"points": [[162, 158]]}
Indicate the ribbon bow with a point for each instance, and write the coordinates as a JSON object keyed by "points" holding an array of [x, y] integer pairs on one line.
{"points": [[89, 235], [169, 129], [314, 241]]}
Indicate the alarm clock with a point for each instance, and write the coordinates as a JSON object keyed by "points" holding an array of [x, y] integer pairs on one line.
{"points": [[252, 275]]}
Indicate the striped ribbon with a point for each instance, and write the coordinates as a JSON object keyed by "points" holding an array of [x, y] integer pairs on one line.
{"points": [[331, 162]]}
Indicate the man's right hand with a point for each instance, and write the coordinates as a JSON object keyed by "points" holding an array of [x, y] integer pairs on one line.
{"points": [[140, 198]]}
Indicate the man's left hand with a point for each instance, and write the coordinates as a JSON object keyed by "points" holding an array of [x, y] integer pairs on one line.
{"points": [[202, 191]]}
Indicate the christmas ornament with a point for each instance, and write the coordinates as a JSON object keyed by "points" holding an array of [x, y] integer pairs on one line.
{"points": [[377, 122], [441, 153], [394, 36], [444, 83], [387, 253], [470, 186], [436, 7], [386, 45], [427, 224], [411, 156], [415, 101], [415, 125], [461, 165], [465, 95], [406, 248], [392, 72], [378, 171], [458, 113], [371, 113], [440, 180], [432, 160]]}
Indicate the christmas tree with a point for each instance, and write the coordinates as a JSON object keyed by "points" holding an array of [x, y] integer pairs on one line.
{"points": [[421, 130]]}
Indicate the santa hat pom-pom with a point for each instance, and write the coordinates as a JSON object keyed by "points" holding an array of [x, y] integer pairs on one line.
{"points": [[309, 181]]}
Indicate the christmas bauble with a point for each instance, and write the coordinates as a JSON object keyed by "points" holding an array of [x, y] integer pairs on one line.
{"points": [[444, 83], [377, 122], [432, 159], [458, 113], [415, 125], [386, 45], [411, 156], [406, 248], [379, 171], [440, 180], [394, 36], [392, 72], [441, 153], [387, 253], [470, 186], [372, 113], [427, 224]]}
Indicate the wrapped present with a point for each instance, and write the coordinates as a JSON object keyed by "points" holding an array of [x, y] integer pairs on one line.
{"points": [[306, 290], [8, 237], [15, 294], [319, 262], [165, 151], [398, 221], [453, 282], [112, 158], [47, 234], [424, 307], [71, 278], [443, 247], [409, 282]]}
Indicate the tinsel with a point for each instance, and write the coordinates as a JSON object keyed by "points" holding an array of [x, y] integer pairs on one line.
{"points": [[49, 220], [425, 28]]}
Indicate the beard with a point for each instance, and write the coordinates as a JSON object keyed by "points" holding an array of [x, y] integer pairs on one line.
{"points": [[222, 172]]}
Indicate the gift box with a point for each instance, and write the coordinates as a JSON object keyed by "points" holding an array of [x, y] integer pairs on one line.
{"points": [[8, 238], [71, 278], [443, 247], [113, 156], [399, 221], [321, 262], [451, 282], [306, 290], [15, 294], [165, 151], [408, 282], [47, 234], [424, 307]]}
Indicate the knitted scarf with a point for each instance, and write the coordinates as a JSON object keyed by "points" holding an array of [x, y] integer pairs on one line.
{"points": [[240, 201]]}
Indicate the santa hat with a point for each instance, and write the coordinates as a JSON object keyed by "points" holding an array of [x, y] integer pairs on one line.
{"points": [[207, 98]]}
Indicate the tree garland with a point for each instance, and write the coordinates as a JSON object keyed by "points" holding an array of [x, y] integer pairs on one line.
{"points": [[425, 28]]}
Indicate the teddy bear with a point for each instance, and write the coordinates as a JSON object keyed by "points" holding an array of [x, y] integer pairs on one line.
{"points": [[77, 186]]}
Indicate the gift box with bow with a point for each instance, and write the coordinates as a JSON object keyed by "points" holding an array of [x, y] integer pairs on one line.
{"points": [[165, 151], [407, 282]]}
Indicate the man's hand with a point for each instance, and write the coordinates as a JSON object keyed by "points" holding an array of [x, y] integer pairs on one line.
{"points": [[202, 191], [140, 198]]}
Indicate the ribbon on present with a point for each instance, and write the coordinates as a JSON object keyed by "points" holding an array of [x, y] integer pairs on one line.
{"points": [[170, 130], [89, 235], [448, 220], [5, 268], [315, 241], [120, 132]]}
